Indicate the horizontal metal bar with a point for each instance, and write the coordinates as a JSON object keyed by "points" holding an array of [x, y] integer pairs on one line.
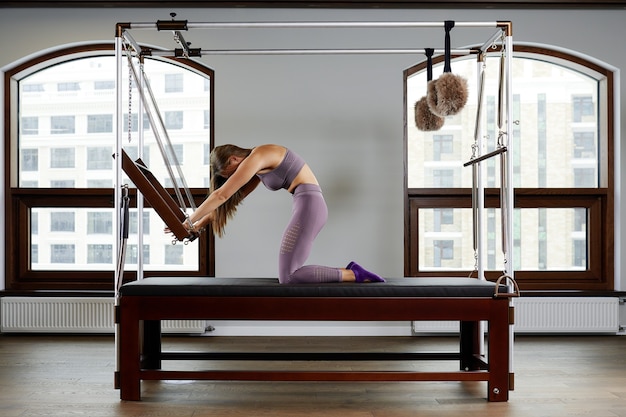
{"points": [[315, 25], [485, 156], [326, 25], [419, 51], [310, 356], [143, 25]]}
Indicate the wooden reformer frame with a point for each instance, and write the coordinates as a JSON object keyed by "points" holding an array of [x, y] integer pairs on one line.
{"points": [[141, 354]]}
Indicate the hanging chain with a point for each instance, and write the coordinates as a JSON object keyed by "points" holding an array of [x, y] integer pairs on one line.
{"points": [[475, 263], [130, 104]]}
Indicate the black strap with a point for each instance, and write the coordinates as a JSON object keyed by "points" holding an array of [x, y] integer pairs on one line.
{"points": [[449, 24], [429, 63], [125, 216]]}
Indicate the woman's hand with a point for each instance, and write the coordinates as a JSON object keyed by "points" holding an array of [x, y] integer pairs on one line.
{"points": [[194, 228]]}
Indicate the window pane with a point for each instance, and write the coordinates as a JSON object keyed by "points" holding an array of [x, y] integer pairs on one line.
{"points": [[62, 158], [173, 83], [106, 183], [553, 239], [174, 120], [555, 135], [32, 88], [133, 224], [61, 222], [100, 123], [132, 255], [173, 255], [99, 222], [80, 238], [62, 125], [544, 239], [99, 254], [62, 183], [62, 253], [68, 86], [30, 160], [29, 125], [81, 100], [34, 253], [104, 85], [99, 158], [133, 126], [65, 122], [447, 240]]}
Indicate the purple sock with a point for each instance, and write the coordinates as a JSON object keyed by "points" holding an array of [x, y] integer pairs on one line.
{"points": [[363, 275]]}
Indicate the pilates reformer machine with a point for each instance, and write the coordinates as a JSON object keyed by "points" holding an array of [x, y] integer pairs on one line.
{"points": [[141, 305]]}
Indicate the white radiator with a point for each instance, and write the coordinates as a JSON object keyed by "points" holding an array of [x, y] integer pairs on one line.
{"points": [[567, 315], [95, 315], [551, 315], [71, 315]]}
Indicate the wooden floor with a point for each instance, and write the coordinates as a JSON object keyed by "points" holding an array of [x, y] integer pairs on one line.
{"points": [[73, 376]]}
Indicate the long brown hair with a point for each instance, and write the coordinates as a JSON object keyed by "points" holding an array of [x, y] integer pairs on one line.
{"points": [[219, 161]]}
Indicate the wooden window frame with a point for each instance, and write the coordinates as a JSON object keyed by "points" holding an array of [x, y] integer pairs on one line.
{"points": [[597, 276], [599, 202], [19, 276]]}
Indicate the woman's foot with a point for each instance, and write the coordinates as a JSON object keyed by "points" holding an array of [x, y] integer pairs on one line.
{"points": [[363, 275]]}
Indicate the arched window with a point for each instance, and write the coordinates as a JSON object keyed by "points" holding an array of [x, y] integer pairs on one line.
{"points": [[60, 168], [563, 157]]}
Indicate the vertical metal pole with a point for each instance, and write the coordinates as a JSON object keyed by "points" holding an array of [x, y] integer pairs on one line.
{"points": [[480, 190], [480, 197], [510, 190], [118, 142], [509, 128], [140, 199], [117, 193]]}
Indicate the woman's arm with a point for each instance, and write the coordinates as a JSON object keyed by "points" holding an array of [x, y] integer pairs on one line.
{"points": [[247, 189], [242, 178]]}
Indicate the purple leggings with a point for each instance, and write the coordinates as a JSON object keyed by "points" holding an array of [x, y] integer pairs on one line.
{"points": [[308, 216]]}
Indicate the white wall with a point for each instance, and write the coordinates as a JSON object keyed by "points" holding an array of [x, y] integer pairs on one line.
{"points": [[342, 113]]}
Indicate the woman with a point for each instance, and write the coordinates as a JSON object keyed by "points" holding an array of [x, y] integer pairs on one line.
{"points": [[236, 172]]}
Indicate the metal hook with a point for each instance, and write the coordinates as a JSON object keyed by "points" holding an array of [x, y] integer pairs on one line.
{"points": [[474, 150], [501, 134]]}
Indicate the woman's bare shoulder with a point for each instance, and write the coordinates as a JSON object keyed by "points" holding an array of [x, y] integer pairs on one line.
{"points": [[270, 149], [272, 155]]}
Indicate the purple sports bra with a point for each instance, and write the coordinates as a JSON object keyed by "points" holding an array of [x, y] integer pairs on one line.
{"points": [[283, 175]]}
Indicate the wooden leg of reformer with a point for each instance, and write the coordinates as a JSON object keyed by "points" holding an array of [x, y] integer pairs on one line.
{"points": [[151, 345], [130, 355], [470, 345], [498, 385]]}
